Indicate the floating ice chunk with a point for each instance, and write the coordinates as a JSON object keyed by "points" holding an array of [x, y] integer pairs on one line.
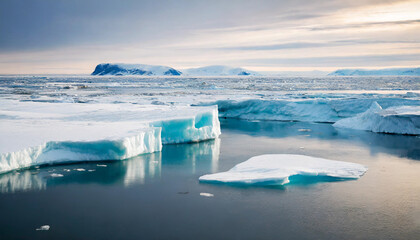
{"points": [[56, 175], [80, 169], [206, 194], [101, 165], [304, 130], [43, 228], [397, 120], [91, 170], [47, 133], [275, 169]]}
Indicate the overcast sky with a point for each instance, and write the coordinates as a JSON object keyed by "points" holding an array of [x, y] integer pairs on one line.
{"points": [[72, 36]]}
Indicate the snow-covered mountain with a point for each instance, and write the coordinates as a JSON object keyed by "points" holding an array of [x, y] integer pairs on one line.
{"points": [[377, 72], [121, 69], [219, 70]]}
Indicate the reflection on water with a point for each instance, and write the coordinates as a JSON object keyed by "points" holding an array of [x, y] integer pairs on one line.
{"points": [[22, 181], [397, 145], [137, 170]]}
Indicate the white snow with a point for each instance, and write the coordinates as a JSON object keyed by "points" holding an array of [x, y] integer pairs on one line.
{"points": [[275, 169], [398, 120], [35, 133]]}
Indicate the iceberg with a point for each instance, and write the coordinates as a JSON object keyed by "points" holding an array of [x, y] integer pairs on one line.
{"points": [[218, 70], [279, 169], [120, 69], [377, 72], [396, 120], [33, 134]]}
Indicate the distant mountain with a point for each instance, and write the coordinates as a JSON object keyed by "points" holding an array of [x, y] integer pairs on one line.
{"points": [[377, 72], [218, 70], [120, 69]]}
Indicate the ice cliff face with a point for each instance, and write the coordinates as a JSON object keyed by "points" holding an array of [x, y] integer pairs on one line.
{"points": [[120, 69], [378, 72]]}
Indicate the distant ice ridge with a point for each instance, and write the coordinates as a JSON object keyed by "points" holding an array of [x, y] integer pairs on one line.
{"points": [[279, 169], [134, 69], [46, 133], [397, 120], [218, 70], [377, 72], [315, 110]]}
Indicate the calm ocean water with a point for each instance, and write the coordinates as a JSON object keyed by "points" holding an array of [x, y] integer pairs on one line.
{"points": [[157, 196]]}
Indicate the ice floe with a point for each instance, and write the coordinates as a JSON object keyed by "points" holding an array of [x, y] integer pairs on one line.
{"points": [[277, 169], [35, 133], [397, 120]]}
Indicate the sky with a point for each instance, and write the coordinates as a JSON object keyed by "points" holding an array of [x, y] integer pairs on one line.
{"points": [[72, 37]]}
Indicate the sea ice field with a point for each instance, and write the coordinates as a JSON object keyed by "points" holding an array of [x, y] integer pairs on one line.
{"points": [[97, 157]]}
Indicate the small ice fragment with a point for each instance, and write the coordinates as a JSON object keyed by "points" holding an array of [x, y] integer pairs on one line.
{"points": [[206, 194], [67, 170], [80, 169], [101, 165], [56, 175], [91, 170], [304, 130], [43, 228]]}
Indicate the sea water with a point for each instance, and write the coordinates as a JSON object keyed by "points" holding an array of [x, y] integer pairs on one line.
{"points": [[158, 195]]}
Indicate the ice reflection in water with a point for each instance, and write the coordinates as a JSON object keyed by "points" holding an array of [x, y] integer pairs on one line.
{"points": [[138, 170]]}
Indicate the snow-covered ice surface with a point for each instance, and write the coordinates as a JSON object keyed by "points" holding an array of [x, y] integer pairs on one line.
{"points": [[397, 120], [36, 133], [277, 169]]}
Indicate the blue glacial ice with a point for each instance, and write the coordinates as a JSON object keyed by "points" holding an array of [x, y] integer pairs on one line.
{"points": [[278, 169], [397, 120], [48, 133], [313, 110]]}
